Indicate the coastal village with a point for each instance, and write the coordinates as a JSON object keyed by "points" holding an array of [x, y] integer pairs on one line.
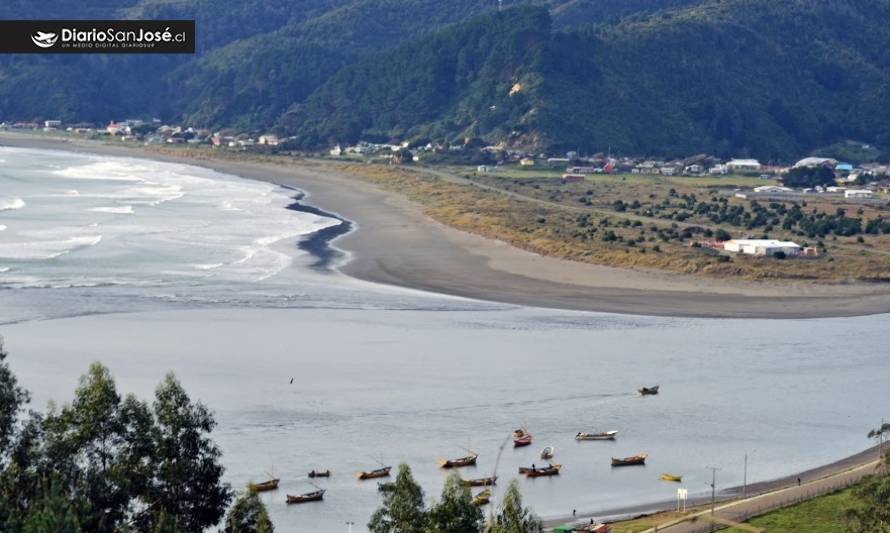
{"points": [[866, 184]]}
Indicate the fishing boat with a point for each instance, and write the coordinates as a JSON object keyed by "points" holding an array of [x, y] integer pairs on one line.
{"points": [[595, 528], [521, 438], [639, 459], [371, 474], [547, 453], [483, 498], [672, 477], [549, 470], [480, 482], [308, 497], [649, 391], [459, 462], [386, 486], [320, 473], [605, 435], [272, 484]]}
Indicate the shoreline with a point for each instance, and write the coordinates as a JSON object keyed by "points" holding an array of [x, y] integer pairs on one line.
{"points": [[391, 241], [630, 512]]}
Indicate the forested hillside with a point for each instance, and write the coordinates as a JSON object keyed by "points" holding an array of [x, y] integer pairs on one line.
{"points": [[662, 77]]}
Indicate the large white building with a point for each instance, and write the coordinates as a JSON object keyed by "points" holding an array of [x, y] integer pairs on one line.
{"points": [[743, 165], [858, 194], [766, 247]]}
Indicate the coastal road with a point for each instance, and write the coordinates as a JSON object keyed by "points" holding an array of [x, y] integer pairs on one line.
{"points": [[765, 496], [742, 510]]}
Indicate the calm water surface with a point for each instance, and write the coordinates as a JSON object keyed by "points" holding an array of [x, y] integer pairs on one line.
{"points": [[393, 375]]}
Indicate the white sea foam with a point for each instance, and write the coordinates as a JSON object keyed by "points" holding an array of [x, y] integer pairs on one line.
{"points": [[123, 210], [42, 250], [9, 204], [109, 170], [2, 227], [200, 231]]}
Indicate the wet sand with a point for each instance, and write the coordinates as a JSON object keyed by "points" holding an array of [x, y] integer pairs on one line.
{"points": [[395, 243]]}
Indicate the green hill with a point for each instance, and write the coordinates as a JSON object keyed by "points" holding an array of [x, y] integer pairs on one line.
{"points": [[730, 77], [661, 77]]}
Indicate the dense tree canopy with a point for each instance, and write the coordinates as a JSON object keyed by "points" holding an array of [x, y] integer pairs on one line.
{"points": [[107, 463], [667, 77]]}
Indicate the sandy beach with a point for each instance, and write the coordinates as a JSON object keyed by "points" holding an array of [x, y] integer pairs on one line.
{"points": [[395, 243]]}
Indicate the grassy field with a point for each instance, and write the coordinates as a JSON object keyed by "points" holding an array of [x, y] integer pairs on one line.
{"points": [[730, 181], [562, 227], [819, 515]]}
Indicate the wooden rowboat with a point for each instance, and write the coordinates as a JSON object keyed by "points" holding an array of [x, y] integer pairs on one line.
{"points": [[371, 474], [547, 453], [549, 470], [459, 462], [639, 459], [308, 497], [272, 484], [649, 391], [320, 473], [521, 438], [605, 435], [671, 477], [480, 482], [483, 498]]}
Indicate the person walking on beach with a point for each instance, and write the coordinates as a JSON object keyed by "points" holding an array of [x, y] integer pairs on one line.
{"points": [[798, 482]]}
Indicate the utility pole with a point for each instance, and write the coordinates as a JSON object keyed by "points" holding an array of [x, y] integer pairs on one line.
{"points": [[745, 479], [713, 470]]}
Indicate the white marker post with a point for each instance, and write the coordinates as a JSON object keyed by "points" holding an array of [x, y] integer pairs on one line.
{"points": [[682, 496]]}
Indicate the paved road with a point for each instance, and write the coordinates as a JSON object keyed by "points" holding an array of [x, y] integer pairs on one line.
{"points": [[742, 510], [764, 494]]}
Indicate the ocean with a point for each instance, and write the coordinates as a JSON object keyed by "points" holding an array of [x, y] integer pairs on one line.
{"points": [[151, 267]]}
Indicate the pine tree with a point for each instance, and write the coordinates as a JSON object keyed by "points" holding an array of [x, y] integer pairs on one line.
{"points": [[187, 482], [402, 510], [512, 517], [248, 515], [455, 512]]}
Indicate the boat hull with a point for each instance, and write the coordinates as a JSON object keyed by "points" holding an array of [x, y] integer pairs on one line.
{"points": [[481, 482], [457, 463], [305, 498], [373, 474], [265, 486], [630, 461]]}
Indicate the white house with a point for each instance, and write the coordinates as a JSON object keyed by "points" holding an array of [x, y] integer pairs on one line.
{"points": [[772, 188], [763, 247], [858, 194], [718, 170], [743, 165], [269, 139], [809, 162]]}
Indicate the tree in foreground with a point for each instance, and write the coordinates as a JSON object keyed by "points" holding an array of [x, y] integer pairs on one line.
{"points": [[873, 513], [248, 515], [187, 483], [106, 463], [402, 510], [455, 512], [512, 517]]}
